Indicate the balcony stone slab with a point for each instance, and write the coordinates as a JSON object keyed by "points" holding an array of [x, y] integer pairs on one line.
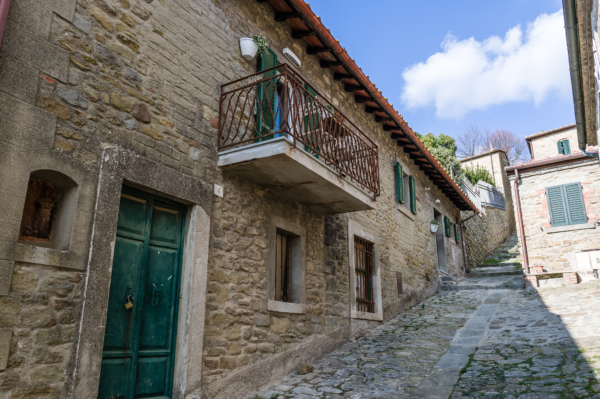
{"points": [[295, 174]]}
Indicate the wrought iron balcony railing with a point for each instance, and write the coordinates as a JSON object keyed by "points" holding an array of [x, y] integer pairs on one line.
{"points": [[278, 102]]}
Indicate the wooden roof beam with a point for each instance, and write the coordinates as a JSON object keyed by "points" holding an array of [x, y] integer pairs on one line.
{"points": [[312, 50], [330, 64], [362, 100], [383, 119], [340, 76], [370, 110], [389, 128], [351, 88], [299, 34], [284, 16]]}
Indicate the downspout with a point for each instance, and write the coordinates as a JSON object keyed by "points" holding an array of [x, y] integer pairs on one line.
{"points": [[4, 7], [462, 239], [521, 229], [570, 13]]}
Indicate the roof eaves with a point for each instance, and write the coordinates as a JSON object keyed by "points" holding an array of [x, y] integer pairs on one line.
{"points": [[387, 108]]}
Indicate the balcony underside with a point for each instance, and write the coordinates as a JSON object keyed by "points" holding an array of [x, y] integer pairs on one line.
{"points": [[293, 173]]}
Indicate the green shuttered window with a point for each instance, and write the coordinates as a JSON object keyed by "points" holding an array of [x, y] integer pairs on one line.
{"points": [[266, 95], [399, 183], [564, 147], [447, 226], [566, 205], [456, 233], [413, 194]]}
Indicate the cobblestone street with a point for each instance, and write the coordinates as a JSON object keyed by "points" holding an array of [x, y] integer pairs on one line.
{"points": [[470, 342]]}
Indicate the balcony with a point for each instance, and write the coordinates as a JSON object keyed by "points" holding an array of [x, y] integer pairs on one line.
{"points": [[277, 131]]}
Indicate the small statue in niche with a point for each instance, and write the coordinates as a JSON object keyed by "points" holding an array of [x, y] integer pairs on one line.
{"points": [[38, 212]]}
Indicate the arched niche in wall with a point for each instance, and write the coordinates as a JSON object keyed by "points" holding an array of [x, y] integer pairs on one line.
{"points": [[49, 210]]}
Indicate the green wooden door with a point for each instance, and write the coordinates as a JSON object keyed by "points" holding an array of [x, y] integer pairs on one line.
{"points": [[146, 265]]}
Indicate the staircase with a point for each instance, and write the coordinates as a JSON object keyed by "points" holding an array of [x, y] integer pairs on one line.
{"points": [[501, 270]]}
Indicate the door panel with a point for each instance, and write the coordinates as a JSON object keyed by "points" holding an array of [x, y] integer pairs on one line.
{"points": [[152, 376], [157, 317], [146, 265]]}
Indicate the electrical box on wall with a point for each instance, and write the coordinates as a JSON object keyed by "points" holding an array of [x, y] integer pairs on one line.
{"points": [[289, 54]]}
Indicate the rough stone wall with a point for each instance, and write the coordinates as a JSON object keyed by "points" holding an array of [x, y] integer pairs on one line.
{"points": [[484, 234], [545, 147], [42, 309], [552, 249], [240, 330]]}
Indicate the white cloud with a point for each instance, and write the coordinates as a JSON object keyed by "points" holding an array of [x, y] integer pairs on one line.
{"points": [[469, 75]]}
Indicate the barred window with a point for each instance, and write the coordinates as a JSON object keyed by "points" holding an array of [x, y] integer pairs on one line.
{"points": [[363, 268]]}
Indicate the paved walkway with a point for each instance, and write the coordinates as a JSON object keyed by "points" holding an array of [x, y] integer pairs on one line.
{"points": [[470, 342]]}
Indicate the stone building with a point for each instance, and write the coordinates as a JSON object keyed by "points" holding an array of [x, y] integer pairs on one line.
{"points": [[556, 204], [179, 220], [497, 218], [581, 27], [553, 143]]}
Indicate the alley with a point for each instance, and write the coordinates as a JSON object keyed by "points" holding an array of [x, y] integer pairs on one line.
{"points": [[470, 341]]}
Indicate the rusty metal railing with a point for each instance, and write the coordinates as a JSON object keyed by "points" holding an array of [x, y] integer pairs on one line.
{"points": [[278, 102]]}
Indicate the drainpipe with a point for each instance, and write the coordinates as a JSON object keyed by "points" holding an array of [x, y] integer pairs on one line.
{"points": [[521, 229], [4, 7], [462, 239]]}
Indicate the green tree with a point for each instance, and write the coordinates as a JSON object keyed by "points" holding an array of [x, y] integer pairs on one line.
{"points": [[443, 148], [479, 173]]}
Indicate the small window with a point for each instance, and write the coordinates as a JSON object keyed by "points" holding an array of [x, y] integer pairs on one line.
{"points": [[287, 284], [283, 268], [286, 290], [566, 205], [363, 268], [564, 148]]}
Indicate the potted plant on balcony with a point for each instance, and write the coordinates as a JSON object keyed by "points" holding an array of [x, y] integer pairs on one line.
{"points": [[251, 46], [434, 225]]}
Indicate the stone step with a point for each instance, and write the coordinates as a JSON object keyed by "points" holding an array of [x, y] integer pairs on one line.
{"points": [[480, 274], [486, 283], [461, 287], [517, 264], [448, 278]]}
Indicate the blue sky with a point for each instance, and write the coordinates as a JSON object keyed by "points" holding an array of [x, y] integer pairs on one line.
{"points": [[387, 37]]}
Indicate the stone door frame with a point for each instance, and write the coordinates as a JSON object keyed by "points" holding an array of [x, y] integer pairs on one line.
{"points": [[119, 167]]}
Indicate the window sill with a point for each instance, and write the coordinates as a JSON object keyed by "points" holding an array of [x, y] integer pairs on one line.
{"points": [[285, 307], [405, 211], [560, 229], [366, 315]]}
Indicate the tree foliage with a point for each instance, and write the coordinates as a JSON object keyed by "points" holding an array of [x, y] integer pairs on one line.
{"points": [[443, 148], [477, 174]]}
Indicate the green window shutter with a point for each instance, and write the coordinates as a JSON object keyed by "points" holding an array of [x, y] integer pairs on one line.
{"points": [[566, 147], [575, 204], [559, 144], [311, 120], [399, 183], [413, 194], [447, 226], [456, 233], [556, 206], [267, 106]]}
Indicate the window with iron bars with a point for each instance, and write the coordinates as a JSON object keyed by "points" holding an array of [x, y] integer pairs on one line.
{"points": [[363, 270]]}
